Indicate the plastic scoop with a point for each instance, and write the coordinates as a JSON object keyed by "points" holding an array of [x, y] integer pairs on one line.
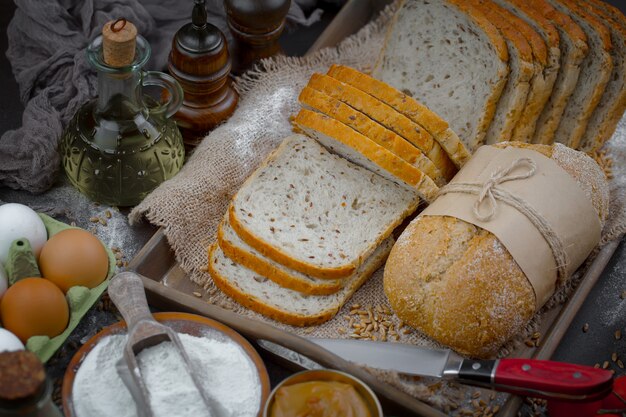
{"points": [[127, 292]]}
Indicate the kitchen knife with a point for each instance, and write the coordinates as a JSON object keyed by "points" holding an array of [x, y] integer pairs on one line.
{"points": [[529, 377]]}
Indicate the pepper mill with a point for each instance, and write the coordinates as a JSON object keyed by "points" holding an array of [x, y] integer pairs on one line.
{"points": [[256, 26], [200, 62]]}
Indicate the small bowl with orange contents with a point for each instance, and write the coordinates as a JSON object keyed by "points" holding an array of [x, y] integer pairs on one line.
{"points": [[51, 291], [322, 392]]}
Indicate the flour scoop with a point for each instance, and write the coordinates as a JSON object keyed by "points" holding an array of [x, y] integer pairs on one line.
{"points": [[127, 292]]}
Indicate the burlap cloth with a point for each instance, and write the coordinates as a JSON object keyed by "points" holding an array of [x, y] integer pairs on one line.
{"points": [[190, 206]]}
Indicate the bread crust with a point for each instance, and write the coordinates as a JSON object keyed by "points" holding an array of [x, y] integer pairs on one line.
{"points": [[278, 275], [409, 107], [459, 285], [388, 117], [316, 100]]}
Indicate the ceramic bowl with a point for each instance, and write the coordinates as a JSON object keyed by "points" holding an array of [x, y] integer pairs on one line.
{"points": [[182, 323]]}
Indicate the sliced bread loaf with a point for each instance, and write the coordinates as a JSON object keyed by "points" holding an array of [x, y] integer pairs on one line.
{"points": [[613, 102], [574, 48], [449, 57], [546, 66], [407, 106], [242, 253], [521, 63], [347, 142], [315, 212], [386, 116], [529, 123], [318, 101], [594, 75], [264, 296]]}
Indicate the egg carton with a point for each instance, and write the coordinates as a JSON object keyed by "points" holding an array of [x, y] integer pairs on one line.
{"points": [[22, 263]]}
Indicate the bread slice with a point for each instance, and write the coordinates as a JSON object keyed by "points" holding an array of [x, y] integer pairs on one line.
{"points": [[574, 48], [264, 296], [529, 122], [611, 107], [450, 58], [594, 75], [242, 253], [386, 116], [315, 212], [323, 103], [546, 65], [342, 140], [522, 69], [409, 107]]}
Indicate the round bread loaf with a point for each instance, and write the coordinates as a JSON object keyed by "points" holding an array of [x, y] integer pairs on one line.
{"points": [[459, 285]]}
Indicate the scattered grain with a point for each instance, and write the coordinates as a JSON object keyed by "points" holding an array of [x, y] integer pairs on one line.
{"points": [[605, 365], [620, 364], [197, 294], [614, 356], [585, 327], [618, 334]]}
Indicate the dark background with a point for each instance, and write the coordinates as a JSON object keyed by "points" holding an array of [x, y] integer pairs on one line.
{"points": [[594, 346]]}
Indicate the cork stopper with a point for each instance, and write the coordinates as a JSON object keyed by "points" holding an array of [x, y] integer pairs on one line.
{"points": [[118, 42], [21, 375]]}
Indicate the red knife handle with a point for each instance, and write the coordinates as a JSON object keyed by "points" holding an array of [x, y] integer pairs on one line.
{"points": [[541, 379]]}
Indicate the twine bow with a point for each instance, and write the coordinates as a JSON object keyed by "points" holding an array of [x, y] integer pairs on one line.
{"points": [[490, 192], [497, 178]]}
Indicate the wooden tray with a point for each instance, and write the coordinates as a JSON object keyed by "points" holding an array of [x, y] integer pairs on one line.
{"points": [[167, 286]]}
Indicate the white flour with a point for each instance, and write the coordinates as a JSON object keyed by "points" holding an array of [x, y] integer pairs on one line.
{"points": [[228, 375]]}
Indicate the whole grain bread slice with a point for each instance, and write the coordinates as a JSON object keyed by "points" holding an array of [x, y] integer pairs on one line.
{"points": [[594, 75], [347, 142], [449, 57], [544, 83], [407, 106], [388, 117], [316, 100], [610, 109], [544, 74], [315, 212], [522, 69], [574, 48], [264, 296], [242, 253]]}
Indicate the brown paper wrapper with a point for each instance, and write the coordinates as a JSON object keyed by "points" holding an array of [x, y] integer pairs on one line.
{"points": [[551, 193]]}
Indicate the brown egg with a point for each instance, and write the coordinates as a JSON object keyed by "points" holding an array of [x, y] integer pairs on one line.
{"points": [[34, 307], [74, 257]]}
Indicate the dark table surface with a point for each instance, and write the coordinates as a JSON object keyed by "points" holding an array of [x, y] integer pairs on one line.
{"points": [[603, 312]]}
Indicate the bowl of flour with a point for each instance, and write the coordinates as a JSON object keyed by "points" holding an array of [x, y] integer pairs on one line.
{"points": [[230, 370]]}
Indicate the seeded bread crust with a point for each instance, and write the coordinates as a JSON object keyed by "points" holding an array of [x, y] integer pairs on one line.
{"points": [[595, 72], [611, 107], [263, 303], [243, 254], [323, 103], [388, 117], [546, 62], [522, 69], [574, 48], [409, 107], [438, 257], [313, 123]]}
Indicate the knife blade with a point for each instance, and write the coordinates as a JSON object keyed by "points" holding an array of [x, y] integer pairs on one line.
{"points": [[530, 377]]}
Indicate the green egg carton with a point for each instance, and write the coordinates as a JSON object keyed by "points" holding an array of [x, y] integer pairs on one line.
{"points": [[22, 263]]}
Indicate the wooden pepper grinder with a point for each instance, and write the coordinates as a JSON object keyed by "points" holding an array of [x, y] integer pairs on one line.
{"points": [[256, 26], [200, 62]]}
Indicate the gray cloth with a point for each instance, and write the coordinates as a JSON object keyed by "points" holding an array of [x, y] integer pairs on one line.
{"points": [[47, 40]]}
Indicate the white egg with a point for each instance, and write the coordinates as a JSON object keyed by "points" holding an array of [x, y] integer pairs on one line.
{"points": [[19, 221], [4, 281], [9, 341]]}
